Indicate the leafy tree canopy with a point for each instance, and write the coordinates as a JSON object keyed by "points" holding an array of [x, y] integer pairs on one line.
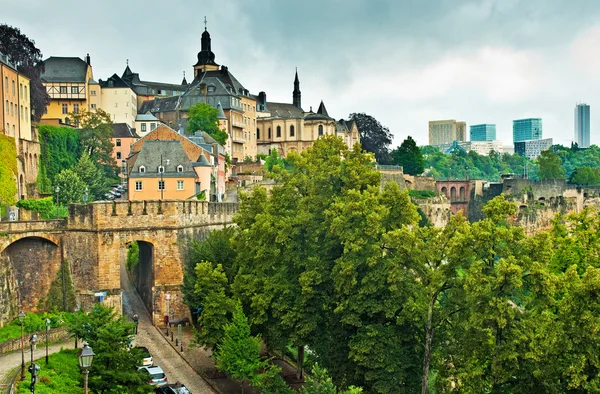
{"points": [[550, 166], [374, 137], [95, 128], [22, 52], [70, 187], [409, 156], [205, 117]]}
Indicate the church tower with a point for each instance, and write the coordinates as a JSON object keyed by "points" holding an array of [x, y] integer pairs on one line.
{"points": [[206, 57], [296, 94]]}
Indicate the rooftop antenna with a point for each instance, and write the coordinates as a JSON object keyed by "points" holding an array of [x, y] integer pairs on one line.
{"points": [[127, 61], [204, 23]]}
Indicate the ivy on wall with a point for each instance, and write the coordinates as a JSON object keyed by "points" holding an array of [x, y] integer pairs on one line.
{"points": [[8, 170], [60, 149], [61, 295]]}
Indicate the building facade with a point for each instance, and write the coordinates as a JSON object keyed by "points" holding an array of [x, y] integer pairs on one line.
{"points": [[118, 100], [582, 125], [481, 147], [145, 123], [70, 84], [446, 131], [532, 148], [483, 132], [527, 129]]}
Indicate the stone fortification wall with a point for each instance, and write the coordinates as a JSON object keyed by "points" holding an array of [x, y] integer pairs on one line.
{"points": [[419, 182], [438, 210]]}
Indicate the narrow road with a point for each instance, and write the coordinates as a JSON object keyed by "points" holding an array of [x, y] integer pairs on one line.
{"points": [[176, 369], [10, 361]]}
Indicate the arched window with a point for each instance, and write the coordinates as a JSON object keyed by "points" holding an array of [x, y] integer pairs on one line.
{"points": [[269, 133], [257, 133], [320, 129], [452, 194], [278, 131], [291, 130], [142, 169], [179, 168], [161, 169], [462, 194], [445, 191]]}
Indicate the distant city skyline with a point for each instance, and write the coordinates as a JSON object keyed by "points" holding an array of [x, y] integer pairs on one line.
{"points": [[527, 129], [396, 61]]}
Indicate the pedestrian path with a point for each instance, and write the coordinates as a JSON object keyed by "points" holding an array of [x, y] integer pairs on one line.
{"points": [[10, 361]]}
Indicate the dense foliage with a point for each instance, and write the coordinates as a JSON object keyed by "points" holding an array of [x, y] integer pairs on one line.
{"points": [[330, 262], [95, 130], [8, 169], [458, 164], [33, 322], [409, 156], [22, 52], [205, 117], [374, 137], [60, 150]]}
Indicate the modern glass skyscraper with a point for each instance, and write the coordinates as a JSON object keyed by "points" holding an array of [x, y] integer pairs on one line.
{"points": [[582, 125], [483, 132], [527, 129]]}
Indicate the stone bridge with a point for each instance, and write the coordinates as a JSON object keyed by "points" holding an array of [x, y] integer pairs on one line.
{"points": [[91, 244]]}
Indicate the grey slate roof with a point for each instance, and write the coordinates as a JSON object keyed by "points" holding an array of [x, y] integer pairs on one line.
{"points": [[114, 82], [173, 156], [284, 110], [64, 69], [146, 117], [123, 130]]}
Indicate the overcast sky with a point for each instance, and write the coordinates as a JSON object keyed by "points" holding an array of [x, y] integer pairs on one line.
{"points": [[403, 62]]}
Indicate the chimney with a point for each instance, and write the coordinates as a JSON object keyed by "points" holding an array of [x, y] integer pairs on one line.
{"points": [[87, 59]]}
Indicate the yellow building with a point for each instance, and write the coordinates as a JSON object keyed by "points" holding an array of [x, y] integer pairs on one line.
{"points": [[15, 121], [446, 132], [119, 100], [70, 84]]}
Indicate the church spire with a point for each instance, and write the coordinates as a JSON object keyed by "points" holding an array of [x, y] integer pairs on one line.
{"points": [[206, 57], [296, 95]]}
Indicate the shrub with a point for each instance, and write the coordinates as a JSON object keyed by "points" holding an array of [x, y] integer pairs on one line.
{"points": [[421, 194]]}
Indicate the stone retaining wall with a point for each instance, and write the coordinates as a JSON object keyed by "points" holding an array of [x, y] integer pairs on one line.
{"points": [[55, 334]]}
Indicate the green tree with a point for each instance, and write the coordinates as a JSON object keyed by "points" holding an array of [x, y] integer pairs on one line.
{"points": [[109, 335], [550, 166], [409, 156], [586, 176], [212, 295], [374, 137], [133, 255], [238, 355], [92, 176], [60, 149], [71, 188], [204, 117], [319, 382], [96, 138], [22, 52], [275, 163]]}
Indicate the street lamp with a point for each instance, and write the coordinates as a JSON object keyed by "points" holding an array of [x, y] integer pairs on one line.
{"points": [[47, 330], [85, 355], [57, 190], [33, 369], [21, 316]]}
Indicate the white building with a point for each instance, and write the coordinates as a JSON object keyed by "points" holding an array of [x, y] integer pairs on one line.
{"points": [[119, 100], [145, 123]]}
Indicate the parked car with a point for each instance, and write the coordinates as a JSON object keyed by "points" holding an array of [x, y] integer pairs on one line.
{"points": [[176, 388], [109, 196], [157, 375], [147, 357], [114, 193]]}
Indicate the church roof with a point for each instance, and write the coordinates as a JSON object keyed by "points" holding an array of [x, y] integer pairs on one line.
{"points": [[322, 110], [64, 69], [284, 110]]}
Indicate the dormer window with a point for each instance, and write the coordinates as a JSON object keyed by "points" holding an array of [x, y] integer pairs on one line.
{"points": [[161, 169], [142, 169], [179, 168], [211, 88]]}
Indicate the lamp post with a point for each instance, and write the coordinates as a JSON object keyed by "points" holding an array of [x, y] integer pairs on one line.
{"points": [[85, 355], [57, 190], [33, 369], [21, 316], [47, 331]]}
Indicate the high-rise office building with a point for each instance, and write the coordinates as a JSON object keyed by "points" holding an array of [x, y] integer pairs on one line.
{"points": [[532, 148], [483, 132], [527, 129], [446, 131], [582, 125]]}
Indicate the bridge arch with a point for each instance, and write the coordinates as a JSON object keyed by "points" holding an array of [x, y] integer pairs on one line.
{"points": [[32, 264]]}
